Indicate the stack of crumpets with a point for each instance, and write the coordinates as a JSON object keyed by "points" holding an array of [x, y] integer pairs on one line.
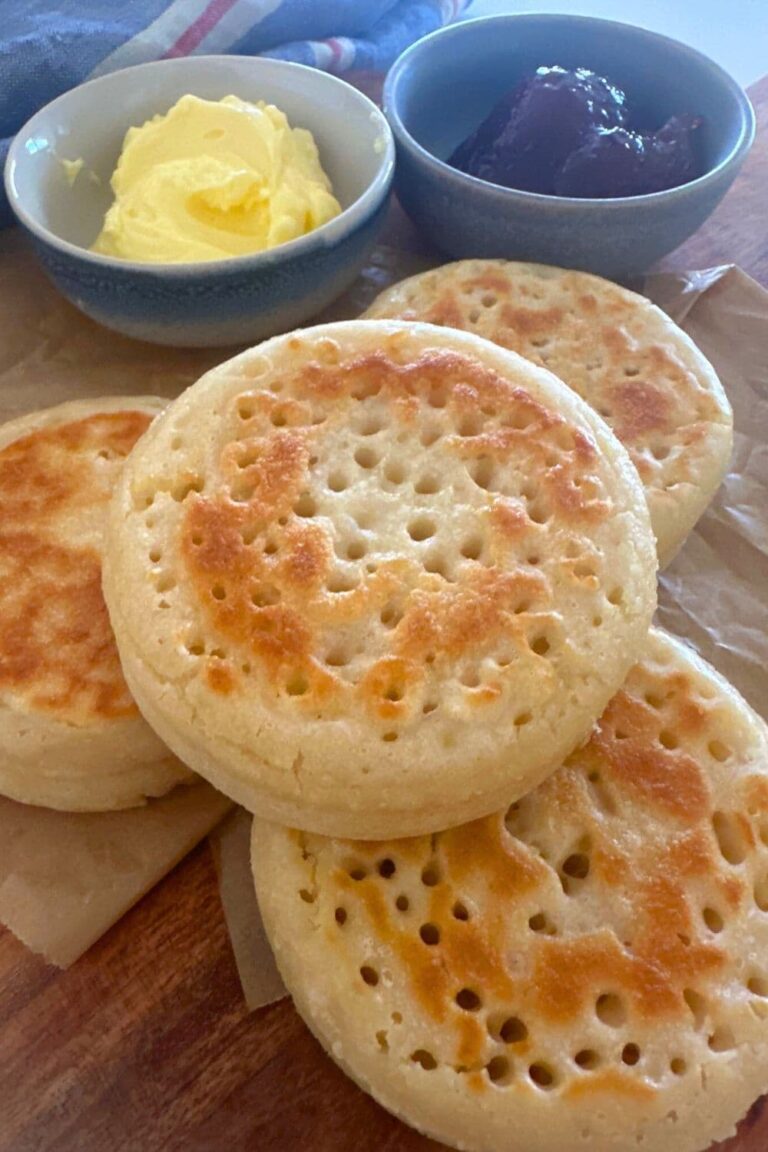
{"points": [[389, 585]]}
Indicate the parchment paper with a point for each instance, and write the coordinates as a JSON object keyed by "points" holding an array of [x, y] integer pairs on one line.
{"points": [[255, 964], [715, 593], [65, 879]]}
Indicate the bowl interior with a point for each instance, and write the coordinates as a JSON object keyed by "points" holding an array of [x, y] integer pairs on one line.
{"points": [[448, 83], [90, 122]]}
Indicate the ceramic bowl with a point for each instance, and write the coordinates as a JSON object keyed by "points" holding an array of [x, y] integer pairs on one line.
{"points": [[221, 302], [441, 88]]}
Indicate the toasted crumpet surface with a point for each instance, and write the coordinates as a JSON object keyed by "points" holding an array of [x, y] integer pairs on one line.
{"points": [[375, 577], [586, 968], [621, 353], [70, 734]]}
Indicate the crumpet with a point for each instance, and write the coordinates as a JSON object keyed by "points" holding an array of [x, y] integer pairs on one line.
{"points": [[620, 352], [71, 737], [587, 968], [377, 578]]}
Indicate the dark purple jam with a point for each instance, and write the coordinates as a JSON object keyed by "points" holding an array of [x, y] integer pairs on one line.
{"points": [[570, 133]]}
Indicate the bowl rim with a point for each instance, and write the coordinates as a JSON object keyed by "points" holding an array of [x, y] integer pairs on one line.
{"points": [[734, 157], [325, 235]]}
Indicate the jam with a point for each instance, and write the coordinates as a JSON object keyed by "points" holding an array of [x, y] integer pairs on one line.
{"points": [[570, 133]]}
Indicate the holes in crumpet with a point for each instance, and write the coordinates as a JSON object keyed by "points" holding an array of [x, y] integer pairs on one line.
{"points": [[366, 456], [482, 472], [730, 840], [542, 1075], [305, 506], [427, 485], [390, 616], [298, 685], [430, 934], [337, 482], [437, 563], [342, 582], [499, 1070], [265, 596], [761, 892], [472, 547], [576, 866], [356, 549], [468, 1000], [370, 975], [713, 920], [422, 528], [513, 1030], [722, 1039], [611, 1010]]}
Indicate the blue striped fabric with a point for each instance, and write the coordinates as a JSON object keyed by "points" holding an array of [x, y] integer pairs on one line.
{"points": [[47, 47]]}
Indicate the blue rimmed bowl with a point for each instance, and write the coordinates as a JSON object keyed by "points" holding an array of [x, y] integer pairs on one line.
{"points": [[442, 87], [222, 302]]}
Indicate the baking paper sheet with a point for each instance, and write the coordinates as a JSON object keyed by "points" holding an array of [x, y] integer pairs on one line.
{"points": [[66, 877], [715, 593], [255, 964]]}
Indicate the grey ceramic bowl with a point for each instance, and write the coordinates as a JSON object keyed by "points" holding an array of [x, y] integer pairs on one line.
{"points": [[222, 302], [441, 88]]}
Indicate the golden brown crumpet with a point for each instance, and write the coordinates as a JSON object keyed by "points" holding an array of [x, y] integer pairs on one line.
{"points": [[586, 969], [70, 734], [621, 353], [377, 577]]}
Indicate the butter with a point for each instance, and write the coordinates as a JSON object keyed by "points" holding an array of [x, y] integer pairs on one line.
{"points": [[214, 179], [72, 169]]}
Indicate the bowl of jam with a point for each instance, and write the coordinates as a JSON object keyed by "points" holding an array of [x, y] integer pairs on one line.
{"points": [[563, 139]]}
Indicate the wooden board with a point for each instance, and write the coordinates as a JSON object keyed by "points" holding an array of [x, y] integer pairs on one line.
{"points": [[145, 1045]]}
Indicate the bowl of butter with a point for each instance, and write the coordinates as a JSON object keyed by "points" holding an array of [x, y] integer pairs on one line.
{"points": [[204, 201]]}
